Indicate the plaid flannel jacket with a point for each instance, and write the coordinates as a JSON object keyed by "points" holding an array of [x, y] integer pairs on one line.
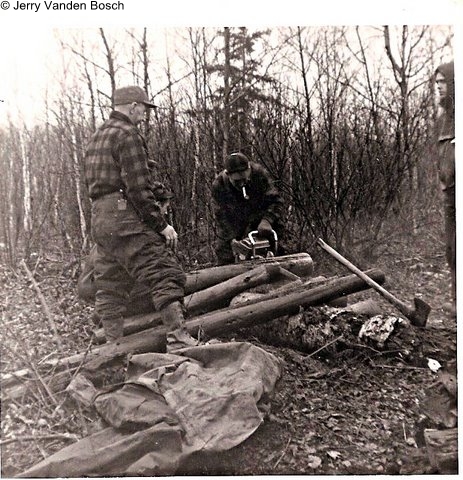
{"points": [[117, 160]]}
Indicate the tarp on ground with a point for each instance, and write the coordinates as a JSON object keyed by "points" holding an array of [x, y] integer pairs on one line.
{"points": [[206, 398]]}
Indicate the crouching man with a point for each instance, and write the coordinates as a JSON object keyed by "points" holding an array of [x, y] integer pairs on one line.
{"points": [[245, 199]]}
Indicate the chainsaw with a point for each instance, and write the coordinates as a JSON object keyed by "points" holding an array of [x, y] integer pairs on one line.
{"points": [[254, 246]]}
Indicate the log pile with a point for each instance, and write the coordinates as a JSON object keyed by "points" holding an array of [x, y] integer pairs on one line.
{"points": [[289, 289]]}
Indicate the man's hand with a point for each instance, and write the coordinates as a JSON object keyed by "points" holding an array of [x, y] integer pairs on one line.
{"points": [[264, 229], [171, 237]]}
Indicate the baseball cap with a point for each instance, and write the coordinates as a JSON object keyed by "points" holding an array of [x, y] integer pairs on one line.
{"points": [[133, 93], [236, 162]]}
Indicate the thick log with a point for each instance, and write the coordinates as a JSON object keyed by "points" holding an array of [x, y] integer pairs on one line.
{"points": [[219, 295], [299, 264], [230, 319], [214, 323], [202, 301]]}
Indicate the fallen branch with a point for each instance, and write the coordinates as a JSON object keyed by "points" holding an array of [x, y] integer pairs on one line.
{"points": [[282, 454], [398, 367], [32, 369], [43, 302], [31, 438], [325, 346]]}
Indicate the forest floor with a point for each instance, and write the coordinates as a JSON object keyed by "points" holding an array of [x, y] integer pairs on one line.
{"points": [[352, 411]]}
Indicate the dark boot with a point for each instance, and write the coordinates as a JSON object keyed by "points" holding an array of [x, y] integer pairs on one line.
{"points": [[177, 335]]}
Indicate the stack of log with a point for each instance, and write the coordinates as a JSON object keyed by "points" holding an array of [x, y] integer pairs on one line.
{"points": [[287, 280]]}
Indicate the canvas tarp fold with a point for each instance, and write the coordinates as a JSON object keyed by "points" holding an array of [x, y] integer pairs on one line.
{"points": [[206, 398]]}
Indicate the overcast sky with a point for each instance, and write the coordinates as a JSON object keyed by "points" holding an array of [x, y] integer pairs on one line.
{"points": [[29, 49]]}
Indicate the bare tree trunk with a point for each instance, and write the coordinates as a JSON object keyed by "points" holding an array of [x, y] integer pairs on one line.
{"points": [[400, 69], [110, 59], [226, 94], [77, 183], [308, 122], [92, 98], [27, 200], [146, 77]]}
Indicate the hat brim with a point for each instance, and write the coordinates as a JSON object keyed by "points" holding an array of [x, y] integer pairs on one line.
{"points": [[149, 105], [237, 170]]}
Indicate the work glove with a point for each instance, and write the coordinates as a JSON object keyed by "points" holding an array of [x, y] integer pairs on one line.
{"points": [[264, 229]]}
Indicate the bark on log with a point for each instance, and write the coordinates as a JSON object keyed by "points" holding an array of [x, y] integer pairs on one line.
{"points": [[198, 302], [300, 264], [219, 295], [213, 323], [230, 319], [202, 301]]}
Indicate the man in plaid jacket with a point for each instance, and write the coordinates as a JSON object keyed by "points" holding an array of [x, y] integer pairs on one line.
{"points": [[135, 242]]}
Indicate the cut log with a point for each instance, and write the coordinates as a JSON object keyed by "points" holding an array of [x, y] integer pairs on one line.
{"points": [[230, 319], [214, 323], [219, 295], [367, 307], [212, 298], [199, 301], [299, 264], [442, 448]]}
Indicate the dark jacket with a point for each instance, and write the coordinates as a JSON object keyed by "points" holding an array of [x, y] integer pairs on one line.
{"points": [[445, 130], [236, 215]]}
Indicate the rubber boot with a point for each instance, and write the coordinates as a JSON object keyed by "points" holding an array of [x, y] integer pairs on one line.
{"points": [[177, 336], [113, 328]]}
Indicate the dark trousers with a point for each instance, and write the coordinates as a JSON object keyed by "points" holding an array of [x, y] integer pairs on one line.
{"points": [[450, 235], [129, 252]]}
